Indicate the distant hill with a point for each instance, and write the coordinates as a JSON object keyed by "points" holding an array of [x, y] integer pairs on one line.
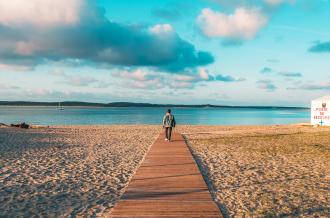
{"points": [[132, 104]]}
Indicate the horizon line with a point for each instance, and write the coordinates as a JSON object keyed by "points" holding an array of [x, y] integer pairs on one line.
{"points": [[132, 104]]}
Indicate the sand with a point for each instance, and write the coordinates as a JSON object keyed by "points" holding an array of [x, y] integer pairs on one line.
{"points": [[68, 171], [252, 171], [265, 171]]}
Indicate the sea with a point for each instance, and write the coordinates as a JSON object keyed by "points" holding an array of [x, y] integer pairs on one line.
{"points": [[40, 115]]}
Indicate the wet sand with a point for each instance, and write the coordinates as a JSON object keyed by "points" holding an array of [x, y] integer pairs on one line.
{"points": [[72, 170], [265, 171]]}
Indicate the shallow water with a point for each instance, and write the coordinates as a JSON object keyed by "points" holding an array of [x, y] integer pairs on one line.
{"points": [[133, 115]]}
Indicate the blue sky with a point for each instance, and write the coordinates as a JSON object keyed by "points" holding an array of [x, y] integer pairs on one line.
{"points": [[239, 52]]}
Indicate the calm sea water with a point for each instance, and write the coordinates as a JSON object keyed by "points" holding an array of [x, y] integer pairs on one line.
{"points": [[202, 116]]}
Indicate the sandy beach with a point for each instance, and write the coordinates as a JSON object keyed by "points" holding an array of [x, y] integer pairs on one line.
{"points": [[91, 89], [265, 171], [252, 171], [64, 171]]}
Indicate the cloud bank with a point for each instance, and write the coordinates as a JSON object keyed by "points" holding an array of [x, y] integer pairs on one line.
{"points": [[35, 31], [147, 79]]}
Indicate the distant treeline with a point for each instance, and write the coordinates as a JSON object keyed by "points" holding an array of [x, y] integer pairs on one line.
{"points": [[132, 104]]}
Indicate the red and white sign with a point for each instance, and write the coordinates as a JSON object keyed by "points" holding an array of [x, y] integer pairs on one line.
{"points": [[320, 111]]}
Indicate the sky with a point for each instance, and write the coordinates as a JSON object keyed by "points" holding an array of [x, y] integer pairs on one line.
{"points": [[237, 52]]}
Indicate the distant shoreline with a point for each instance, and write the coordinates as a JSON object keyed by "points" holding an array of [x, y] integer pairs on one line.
{"points": [[137, 105]]}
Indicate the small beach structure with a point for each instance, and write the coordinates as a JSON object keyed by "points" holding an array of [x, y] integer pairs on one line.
{"points": [[320, 111]]}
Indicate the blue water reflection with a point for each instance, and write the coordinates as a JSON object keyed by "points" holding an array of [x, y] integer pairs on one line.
{"points": [[137, 115]]}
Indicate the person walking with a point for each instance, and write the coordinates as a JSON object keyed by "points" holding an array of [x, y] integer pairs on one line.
{"points": [[168, 124]]}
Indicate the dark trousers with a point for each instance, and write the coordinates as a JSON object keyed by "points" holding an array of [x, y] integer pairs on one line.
{"points": [[168, 132]]}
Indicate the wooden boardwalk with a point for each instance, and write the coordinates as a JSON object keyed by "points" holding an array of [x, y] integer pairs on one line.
{"points": [[167, 184]]}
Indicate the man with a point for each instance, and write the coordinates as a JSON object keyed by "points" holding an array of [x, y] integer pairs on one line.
{"points": [[168, 124]]}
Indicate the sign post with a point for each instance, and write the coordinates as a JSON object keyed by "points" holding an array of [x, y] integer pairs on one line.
{"points": [[320, 111]]}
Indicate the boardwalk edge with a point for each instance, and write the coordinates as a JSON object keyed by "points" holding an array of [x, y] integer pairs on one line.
{"points": [[204, 171]]}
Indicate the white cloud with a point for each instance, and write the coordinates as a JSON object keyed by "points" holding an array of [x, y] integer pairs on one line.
{"points": [[274, 2], [138, 74], [203, 74], [278, 2], [251, 3], [39, 12], [325, 86], [266, 85], [11, 67], [184, 78], [6, 86], [77, 80], [162, 29], [57, 72], [290, 74], [200, 75], [140, 79], [25, 48], [181, 85], [241, 25], [143, 78], [148, 84]]}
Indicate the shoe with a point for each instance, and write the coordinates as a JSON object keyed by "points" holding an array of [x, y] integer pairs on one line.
{"points": [[166, 139]]}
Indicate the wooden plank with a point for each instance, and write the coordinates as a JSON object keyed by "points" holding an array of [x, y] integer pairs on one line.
{"points": [[185, 181], [167, 184], [151, 161], [170, 194], [174, 208]]}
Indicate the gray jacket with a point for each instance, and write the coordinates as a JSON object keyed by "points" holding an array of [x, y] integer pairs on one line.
{"points": [[168, 120]]}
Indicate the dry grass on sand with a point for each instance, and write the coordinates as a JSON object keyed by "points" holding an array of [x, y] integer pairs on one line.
{"points": [[265, 171]]}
